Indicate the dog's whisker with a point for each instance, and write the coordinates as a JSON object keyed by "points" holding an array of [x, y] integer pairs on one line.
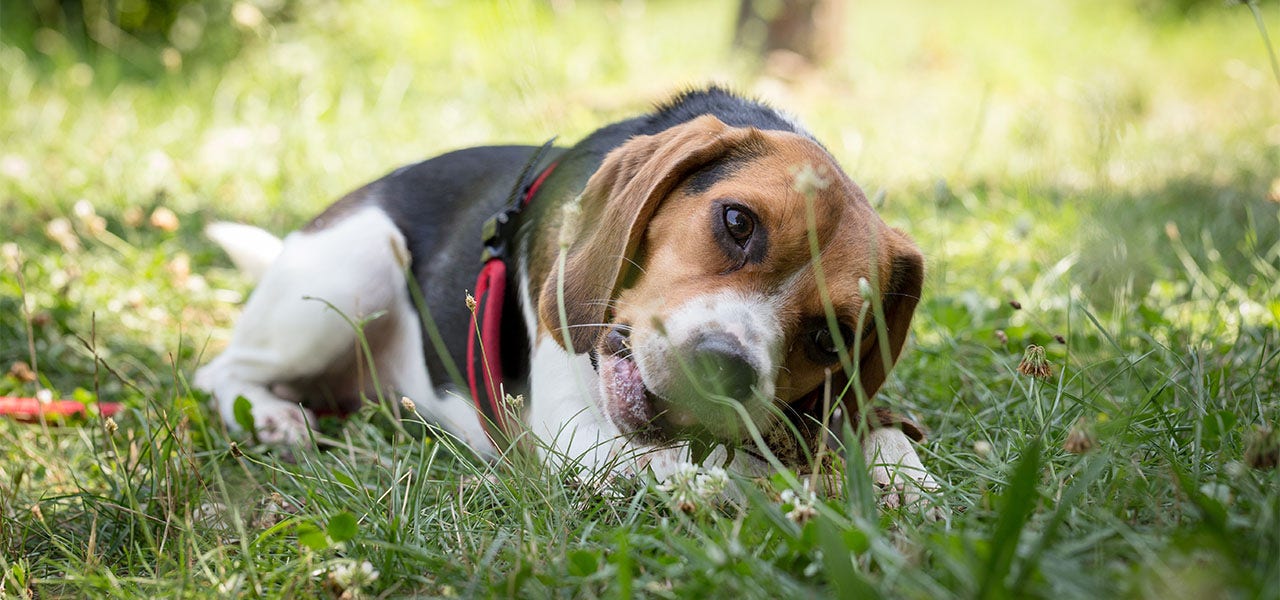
{"points": [[614, 304], [635, 264], [902, 295]]}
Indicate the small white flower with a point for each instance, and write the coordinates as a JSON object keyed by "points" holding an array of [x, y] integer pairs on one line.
{"points": [[814, 567], [83, 209], [1218, 491], [352, 575], [802, 504], [711, 482], [691, 485], [229, 587], [44, 395]]}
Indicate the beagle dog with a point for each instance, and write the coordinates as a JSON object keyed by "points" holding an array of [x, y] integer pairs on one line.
{"points": [[702, 282]]}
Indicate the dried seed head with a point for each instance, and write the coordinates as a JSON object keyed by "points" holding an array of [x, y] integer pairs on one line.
{"points": [[235, 450], [22, 372], [1002, 337], [1263, 450], [1058, 338], [1015, 304], [516, 401], [401, 253], [1080, 439], [12, 256], [570, 222], [110, 425], [133, 217], [60, 230], [471, 302], [807, 180], [1035, 364], [408, 404], [164, 219]]}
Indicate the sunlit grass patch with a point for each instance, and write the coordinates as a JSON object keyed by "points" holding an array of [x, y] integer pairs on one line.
{"points": [[1085, 178]]}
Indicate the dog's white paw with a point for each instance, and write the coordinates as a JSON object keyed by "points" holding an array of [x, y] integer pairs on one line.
{"points": [[905, 487], [282, 423], [896, 469]]}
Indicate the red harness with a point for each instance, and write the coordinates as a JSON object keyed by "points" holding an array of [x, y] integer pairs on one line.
{"points": [[486, 320]]}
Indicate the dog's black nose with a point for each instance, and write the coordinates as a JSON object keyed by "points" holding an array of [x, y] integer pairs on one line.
{"points": [[720, 366]]}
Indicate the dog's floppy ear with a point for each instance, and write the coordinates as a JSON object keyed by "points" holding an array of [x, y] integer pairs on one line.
{"points": [[901, 295], [616, 206]]}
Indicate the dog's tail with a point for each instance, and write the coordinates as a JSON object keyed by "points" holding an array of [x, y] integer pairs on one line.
{"points": [[250, 248]]}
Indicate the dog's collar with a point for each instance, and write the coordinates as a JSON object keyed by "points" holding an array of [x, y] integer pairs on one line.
{"points": [[484, 337], [499, 230]]}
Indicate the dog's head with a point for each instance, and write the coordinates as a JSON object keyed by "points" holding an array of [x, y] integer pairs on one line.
{"points": [[713, 287]]}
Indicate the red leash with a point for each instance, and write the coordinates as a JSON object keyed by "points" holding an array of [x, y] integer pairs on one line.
{"points": [[491, 289], [30, 409]]}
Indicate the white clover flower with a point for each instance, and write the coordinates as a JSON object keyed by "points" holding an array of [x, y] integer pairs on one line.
{"points": [[231, 585], [352, 575], [691, 485], [711, 482], [802, 504]]}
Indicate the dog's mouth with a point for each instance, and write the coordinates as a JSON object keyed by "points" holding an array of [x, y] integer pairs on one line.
{"points": [[629, 403], [637, 410]]}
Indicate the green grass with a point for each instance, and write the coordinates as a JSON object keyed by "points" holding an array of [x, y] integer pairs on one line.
{"points": [[1115, 171]]}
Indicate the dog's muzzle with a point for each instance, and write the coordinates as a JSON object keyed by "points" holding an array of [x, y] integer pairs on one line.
{"points": [[708, 383]]}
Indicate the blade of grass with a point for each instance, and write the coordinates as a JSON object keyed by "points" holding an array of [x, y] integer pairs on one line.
{"points": [[1017, 504]]}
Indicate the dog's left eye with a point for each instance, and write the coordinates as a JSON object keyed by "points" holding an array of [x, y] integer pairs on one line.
{"points": [[825, 343], [739, 224]]}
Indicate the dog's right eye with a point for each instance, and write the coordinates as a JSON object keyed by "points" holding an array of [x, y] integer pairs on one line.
{"points": [[739, 224]]}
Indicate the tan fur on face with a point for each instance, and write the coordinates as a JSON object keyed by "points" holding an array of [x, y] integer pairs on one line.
{"points": [[681, 260]]}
